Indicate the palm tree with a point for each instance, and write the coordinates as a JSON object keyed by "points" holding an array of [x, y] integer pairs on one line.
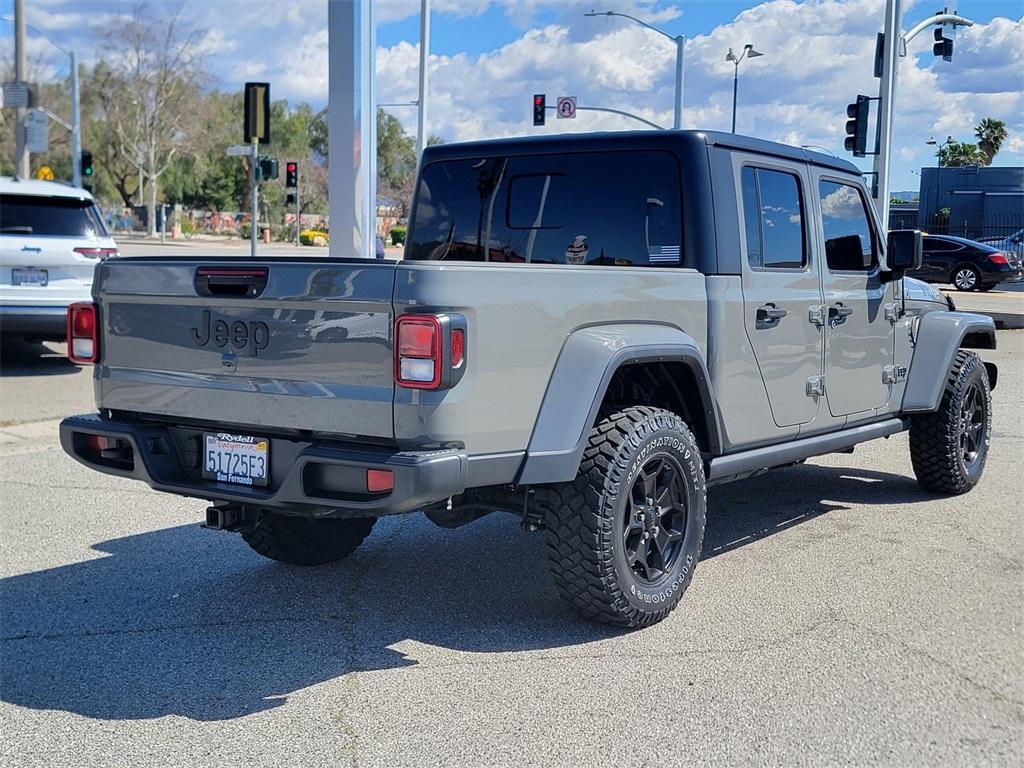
{"points": [[991, 134], [956, 155]]}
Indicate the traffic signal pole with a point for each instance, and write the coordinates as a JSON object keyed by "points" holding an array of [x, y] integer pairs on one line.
{"points": [[886, 94], [254, 182], [894, 46]]}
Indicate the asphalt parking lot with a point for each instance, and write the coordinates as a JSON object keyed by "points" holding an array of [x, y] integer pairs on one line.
{"points": [[839, 615]]}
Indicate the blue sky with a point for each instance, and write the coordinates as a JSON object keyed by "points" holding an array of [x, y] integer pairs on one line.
{"points": [[489, 56]]}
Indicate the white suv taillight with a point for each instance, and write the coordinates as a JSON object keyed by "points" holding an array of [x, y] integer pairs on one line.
{"points": [[96, 253], [83, 334], [430, 350]]}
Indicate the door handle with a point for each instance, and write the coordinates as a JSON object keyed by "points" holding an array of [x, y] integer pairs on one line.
{"points": [[769, 315], [838, 313]]}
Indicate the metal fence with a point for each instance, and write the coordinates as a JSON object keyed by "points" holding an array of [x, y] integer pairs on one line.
{"points": [[1004, 232]]}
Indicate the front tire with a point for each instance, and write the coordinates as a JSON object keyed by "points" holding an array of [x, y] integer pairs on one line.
{"points": [[624, 538], [948, 448], [306, 541]]}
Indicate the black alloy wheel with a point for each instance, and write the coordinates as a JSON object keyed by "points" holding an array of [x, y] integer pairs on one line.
{"points": [[654, 523]]}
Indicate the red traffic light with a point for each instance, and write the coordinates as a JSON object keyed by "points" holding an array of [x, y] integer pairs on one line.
{"points": [[291, 167]]}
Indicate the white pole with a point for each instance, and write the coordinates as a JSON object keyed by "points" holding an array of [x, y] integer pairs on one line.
{"points": [[421, 133], [254, 164], [352, 127], [76, 124], [680, 50], [886, 98]]}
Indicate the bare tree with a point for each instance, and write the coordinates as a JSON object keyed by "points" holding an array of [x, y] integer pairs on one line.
{"points": [[152, 77]]}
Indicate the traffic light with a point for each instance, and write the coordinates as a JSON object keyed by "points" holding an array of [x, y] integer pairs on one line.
{"points": [[943, 45], [857, 126], [291, 175], [539, 107], [86, 164], [268, 168], [257, 113]]}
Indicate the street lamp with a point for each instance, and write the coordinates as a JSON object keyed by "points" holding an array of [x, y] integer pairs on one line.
{"points": [[679, 40], [748, 53]]}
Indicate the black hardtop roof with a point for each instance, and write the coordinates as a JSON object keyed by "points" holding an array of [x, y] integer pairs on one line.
{"points": [[566, 142]]}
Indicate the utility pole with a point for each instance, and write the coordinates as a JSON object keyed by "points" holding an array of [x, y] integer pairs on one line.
{"points": [[21, 166], [76, 124], [421, 133]]}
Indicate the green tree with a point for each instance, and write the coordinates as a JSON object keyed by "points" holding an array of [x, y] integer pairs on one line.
{"points": [[958, 154], [991, 134]]}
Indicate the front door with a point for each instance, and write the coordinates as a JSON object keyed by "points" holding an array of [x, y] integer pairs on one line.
{"points": [[781, 287], [859, 332]]}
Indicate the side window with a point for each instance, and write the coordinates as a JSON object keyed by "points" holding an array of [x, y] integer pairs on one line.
{"points": [[599, 208], [773, 219], [849, 239]]}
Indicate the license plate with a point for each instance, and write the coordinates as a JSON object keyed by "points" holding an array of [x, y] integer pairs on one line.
{"points": [[239, 459], [38, 277]]}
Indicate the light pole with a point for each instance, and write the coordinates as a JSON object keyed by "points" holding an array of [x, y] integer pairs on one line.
{"points": [[748, 53], [679, 40]]}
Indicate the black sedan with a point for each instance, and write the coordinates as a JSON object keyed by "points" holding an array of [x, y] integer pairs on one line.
{"points": [[968, 265]]}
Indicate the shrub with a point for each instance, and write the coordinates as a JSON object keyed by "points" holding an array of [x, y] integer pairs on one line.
{"points": [[398, 235], [313, 237]]}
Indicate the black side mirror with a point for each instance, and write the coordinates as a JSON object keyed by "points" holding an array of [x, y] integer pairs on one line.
{"points": [[904, 250]]}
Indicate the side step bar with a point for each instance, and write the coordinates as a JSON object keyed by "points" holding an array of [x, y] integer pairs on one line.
{"points": [[736, 465]]}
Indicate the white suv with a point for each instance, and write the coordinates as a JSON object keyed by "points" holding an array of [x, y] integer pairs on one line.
{"points": [[51, 238]]}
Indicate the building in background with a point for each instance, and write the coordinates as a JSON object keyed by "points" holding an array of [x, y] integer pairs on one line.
{"points": [[973, 201]]}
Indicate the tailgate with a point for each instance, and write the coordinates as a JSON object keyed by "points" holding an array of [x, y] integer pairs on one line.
{"points": [[285, 344]]}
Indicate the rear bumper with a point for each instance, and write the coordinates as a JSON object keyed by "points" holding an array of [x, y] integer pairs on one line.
{"points": [[306, 479], [42, 322]]}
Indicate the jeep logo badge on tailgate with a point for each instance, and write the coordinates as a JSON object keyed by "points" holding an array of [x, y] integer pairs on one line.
{"points": [[245, 338]]}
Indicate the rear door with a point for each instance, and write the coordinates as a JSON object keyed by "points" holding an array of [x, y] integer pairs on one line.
{"points": [[285, 344], [781, 287], [859, 335]]}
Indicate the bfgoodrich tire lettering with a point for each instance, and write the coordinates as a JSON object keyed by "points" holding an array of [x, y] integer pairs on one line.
{"points": [[948, 448], [305, 541], [641, 473]]}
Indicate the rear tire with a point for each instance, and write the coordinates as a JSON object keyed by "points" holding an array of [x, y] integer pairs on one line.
{"points": [[307, 541], [966, 278], [948, 448], [624, 538]]}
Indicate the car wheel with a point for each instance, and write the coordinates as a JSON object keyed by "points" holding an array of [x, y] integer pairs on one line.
{"points": [[624, 538], [966, 278], [948, 448], [306, 541]]}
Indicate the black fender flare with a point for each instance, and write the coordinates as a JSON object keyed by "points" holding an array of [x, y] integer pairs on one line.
{"points": [[937, 337], [585, 366]]}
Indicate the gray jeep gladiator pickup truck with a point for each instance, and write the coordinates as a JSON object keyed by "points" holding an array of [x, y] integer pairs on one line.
{"points": [[585, 331]]}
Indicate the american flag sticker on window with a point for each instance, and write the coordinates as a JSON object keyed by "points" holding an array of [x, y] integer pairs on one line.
{"points": [[664, 254]]}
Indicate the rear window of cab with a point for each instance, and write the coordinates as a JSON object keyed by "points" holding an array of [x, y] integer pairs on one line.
{"points": [[592, 208], [39, 216]]}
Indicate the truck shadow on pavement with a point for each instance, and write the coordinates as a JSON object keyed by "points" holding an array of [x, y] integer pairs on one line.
{"points": [[184, 621], [27, 358]]}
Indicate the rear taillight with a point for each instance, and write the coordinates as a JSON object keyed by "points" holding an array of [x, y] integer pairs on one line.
{"points": [[96, 253], [998, 258], [418, 358], [430, 350], [83, 334]]}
